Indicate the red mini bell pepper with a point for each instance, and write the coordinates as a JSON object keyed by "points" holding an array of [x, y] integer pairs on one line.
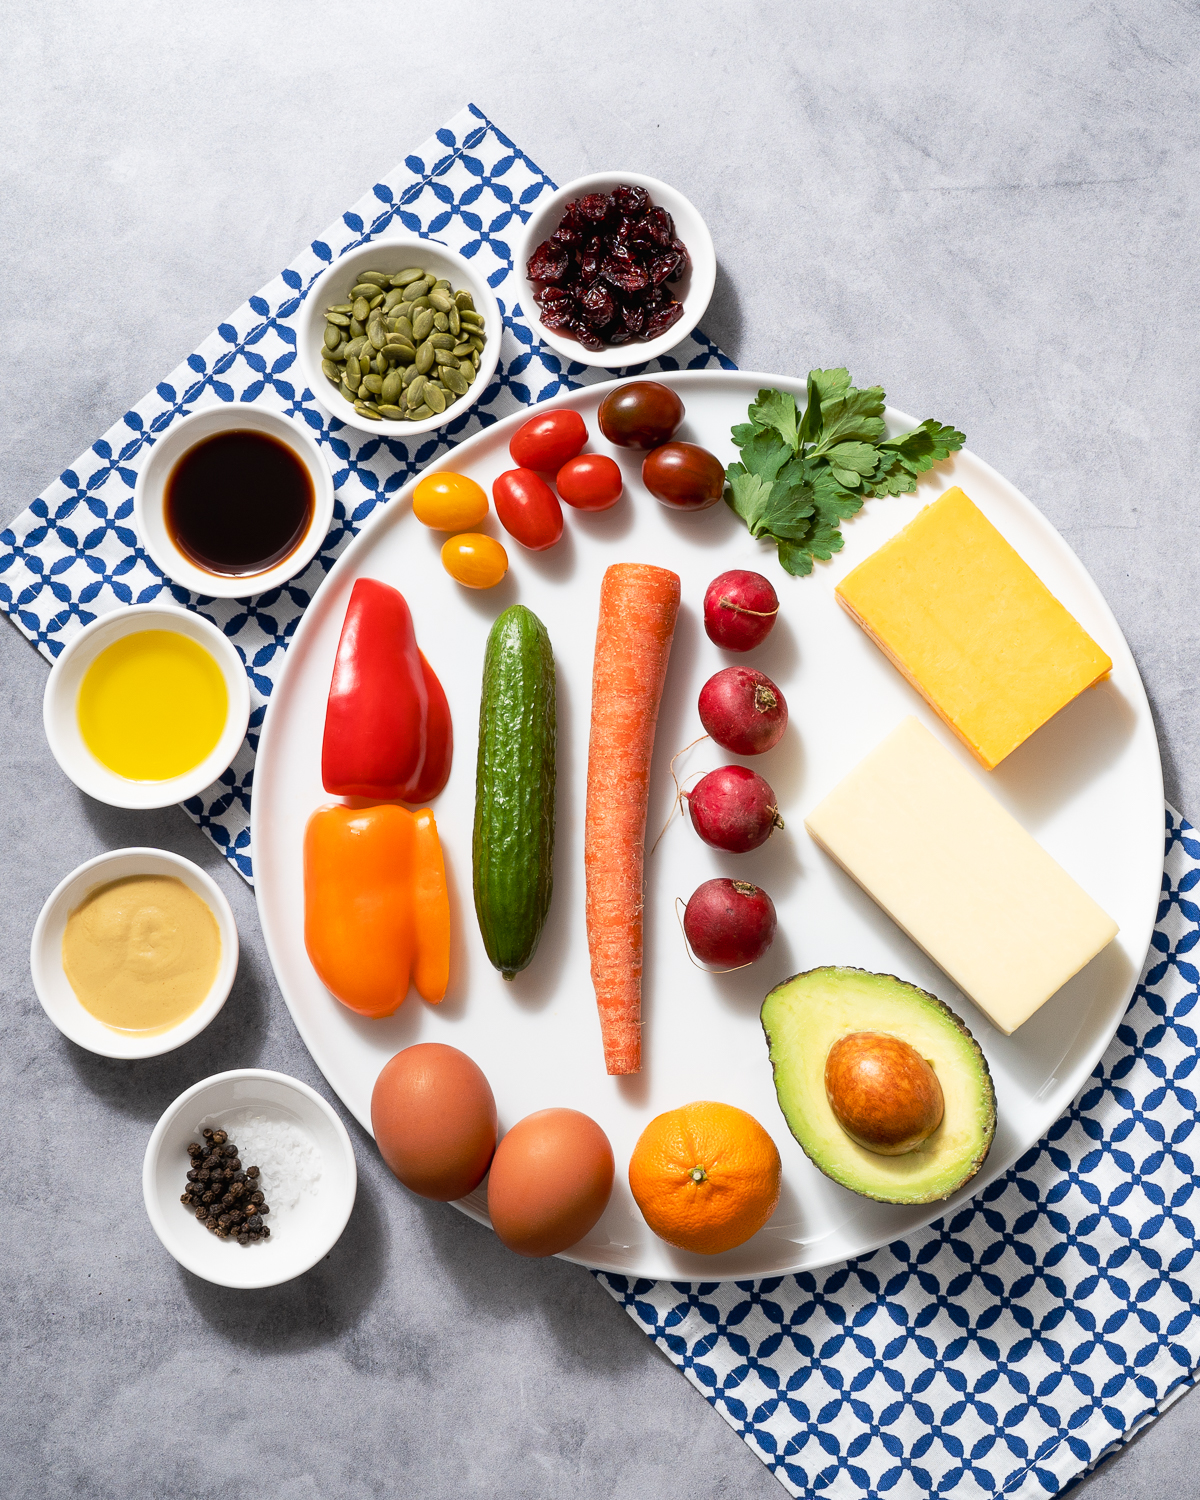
{"points": [[387, 725]]}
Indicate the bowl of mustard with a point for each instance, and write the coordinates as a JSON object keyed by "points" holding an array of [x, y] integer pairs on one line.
{"points": [[134, 953], [146, 706]]}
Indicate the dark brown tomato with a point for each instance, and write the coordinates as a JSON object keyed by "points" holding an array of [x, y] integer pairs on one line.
{"points": [[640, 414], [684, 476]]}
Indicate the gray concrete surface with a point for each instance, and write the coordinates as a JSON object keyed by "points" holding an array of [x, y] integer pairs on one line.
{"points": [[990, 210]]}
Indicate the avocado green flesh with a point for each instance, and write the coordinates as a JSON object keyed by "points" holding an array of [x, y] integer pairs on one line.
{"points": [[807, 1014]]}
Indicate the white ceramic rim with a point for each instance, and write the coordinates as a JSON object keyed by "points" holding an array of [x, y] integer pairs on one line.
{"points": [[61, 721], [329, 288], [699, 282], [322, 1244], [150, 487], [53, 989]]}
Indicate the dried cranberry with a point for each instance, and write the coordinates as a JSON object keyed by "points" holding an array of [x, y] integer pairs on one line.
{"points": [[634, 315], [547, 263], [663, 319], [559, 319], [588, 339], [664, 268], [619, 335], [631, 201], [594, 207], [625, 273], [598, 306], [589, 268], [551, 295], [660, 227], [685, 260]]}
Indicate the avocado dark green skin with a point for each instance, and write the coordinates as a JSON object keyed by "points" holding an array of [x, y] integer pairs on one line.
{"points": [[513, 845], [972, 1166]]}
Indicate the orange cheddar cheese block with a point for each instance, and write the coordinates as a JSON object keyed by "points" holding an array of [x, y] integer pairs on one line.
{"points": [[972, 627]]}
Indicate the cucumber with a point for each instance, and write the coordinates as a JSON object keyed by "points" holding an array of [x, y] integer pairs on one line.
{"points": [[513, 848]]}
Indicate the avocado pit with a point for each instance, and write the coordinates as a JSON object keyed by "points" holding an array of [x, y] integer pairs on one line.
{"points": [[883, 1093]]}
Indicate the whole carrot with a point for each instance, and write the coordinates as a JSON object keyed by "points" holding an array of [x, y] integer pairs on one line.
{"points": [[638, 606]]}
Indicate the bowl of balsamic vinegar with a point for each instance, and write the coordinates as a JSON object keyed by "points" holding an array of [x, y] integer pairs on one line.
{"points": [[233, 500]]}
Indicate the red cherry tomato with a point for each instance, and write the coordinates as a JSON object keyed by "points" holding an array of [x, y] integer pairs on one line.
{"points": [[590, 482], [528, 509], [548, 441]]}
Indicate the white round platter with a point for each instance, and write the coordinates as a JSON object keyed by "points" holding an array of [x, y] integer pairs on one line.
{"points": [[1088, 786]]}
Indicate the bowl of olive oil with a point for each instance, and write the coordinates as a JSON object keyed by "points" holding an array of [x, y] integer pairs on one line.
{"points": [[146, 706]]}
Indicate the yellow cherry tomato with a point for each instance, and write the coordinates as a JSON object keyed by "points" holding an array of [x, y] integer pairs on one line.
{"points": [[449, 502], [474, 559]]}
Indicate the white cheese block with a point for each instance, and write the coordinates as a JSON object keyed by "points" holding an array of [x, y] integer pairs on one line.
{"points": [[960, 875]]}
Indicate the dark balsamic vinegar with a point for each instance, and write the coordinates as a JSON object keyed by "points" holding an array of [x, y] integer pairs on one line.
{"points": [[238, 502]]}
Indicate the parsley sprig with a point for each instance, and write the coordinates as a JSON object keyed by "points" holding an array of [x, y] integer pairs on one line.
{"points": [[801, 475]]}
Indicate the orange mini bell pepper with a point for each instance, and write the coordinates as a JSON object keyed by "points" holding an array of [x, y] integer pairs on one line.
{"points": [[376, 910]]}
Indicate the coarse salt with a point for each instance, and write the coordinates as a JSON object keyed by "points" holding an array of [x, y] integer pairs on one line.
{"points": [[289, 1162]]}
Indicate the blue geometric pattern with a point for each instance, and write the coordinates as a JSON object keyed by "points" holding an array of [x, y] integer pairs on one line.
{"points": [[73, 555], [1007, 1349]]}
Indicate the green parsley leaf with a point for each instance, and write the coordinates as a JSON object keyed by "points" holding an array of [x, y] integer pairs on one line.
{"points": [[802, 474]]}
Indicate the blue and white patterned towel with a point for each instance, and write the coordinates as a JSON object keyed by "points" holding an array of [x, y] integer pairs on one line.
{"points": [[1003, 1351], [74, 555], [1006, 1350]]}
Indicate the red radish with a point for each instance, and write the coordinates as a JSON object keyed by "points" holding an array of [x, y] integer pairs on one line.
{"points": [[733, 808], [729, 922], [739, 610], [743, 710]]}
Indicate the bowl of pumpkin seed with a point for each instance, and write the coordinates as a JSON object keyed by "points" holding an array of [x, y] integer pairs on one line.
{"points": [[399, 337]]}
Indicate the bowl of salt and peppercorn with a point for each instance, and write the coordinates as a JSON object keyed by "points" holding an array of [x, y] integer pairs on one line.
{"points": [[291, 1172]]}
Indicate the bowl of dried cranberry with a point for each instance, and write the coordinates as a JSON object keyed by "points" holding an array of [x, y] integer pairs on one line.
{"points": [[618, 268]]}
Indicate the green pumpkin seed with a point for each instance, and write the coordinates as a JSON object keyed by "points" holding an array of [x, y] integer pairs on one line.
{"points": [[357, 329], [377, 333], [422, 325], [416, 289], [391, 299], [354, 346], [421, 414], [441, 284], [391, 387], [353, 371], [466, 315], [411, 375], [425, 359], [441, 341], [333, 336], [440, 300], [435, 397], [453, 321], [347, 390], [476, 342], [331, 371], [401, 354], [414, 307], [406, 278], [452, 378], [372, 383], [362, 309], [380, 278], [405, 329], [444, 357], [467, 370], [475, 359], [416, 392], [463, 348], [366, 411], [391, 413], [441, 322], [334, 354], [341, 307], [366, 289], [337, 320], [464, 301]]}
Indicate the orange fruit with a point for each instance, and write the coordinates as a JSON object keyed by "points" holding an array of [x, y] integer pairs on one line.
{"points": [[706, 1177]]}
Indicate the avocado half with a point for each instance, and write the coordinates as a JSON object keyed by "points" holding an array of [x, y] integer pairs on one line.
{"points": [[805, 1015]]}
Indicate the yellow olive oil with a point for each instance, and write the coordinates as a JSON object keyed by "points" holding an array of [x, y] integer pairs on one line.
{"points": [[152, 705]]}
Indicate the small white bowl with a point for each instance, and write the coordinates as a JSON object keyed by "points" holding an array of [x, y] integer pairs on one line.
{"points": [[61, 718], [393, 254], [53, 988], [694, 289], [301, 1235], [150, 488]]}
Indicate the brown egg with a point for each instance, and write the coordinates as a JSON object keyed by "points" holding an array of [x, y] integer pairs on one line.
{"points": [[551, 1180], [434, 1119], [882, 1091]]}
